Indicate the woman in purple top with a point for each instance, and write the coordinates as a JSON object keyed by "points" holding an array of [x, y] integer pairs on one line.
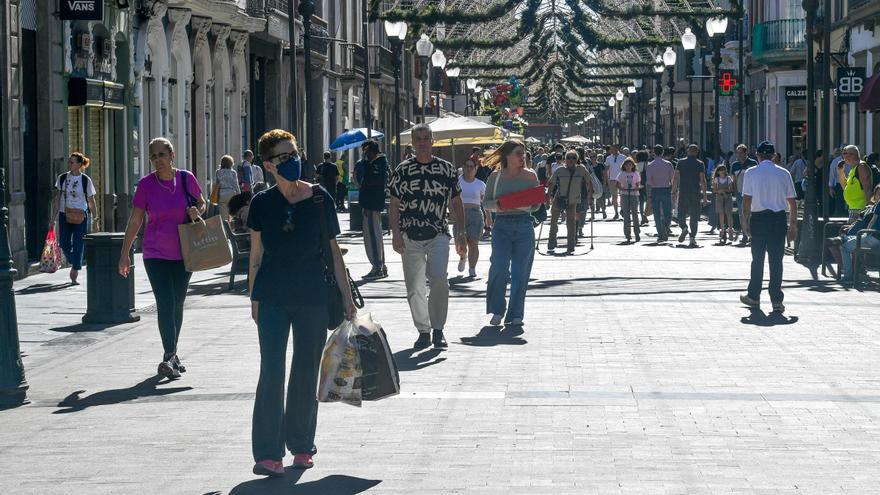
{"points": [[168, 197]]}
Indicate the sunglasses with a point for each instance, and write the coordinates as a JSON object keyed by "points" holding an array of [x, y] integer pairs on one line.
{"points": [[281, 157], [288, 222]]}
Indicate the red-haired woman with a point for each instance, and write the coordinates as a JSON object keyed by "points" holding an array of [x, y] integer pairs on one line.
{"points": [[75, 207]]}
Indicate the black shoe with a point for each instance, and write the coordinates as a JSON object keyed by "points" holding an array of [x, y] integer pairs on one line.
{"points": [[176, 364], [604, 215], [569, 250], [616, 217], [422, 342], [375, 274], [551, 246], [638, 239], [580, 234], [439, 340], [693, 242], [683, 236], [167, 370]]}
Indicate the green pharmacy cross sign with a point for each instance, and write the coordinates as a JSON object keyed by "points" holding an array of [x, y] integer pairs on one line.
{"points": [[727, 83]]}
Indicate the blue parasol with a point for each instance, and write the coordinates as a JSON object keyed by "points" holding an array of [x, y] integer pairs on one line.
{"points": [[353, 138]]}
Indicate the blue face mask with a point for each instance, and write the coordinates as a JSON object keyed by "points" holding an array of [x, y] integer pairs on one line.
{"points": [[291, 169]]}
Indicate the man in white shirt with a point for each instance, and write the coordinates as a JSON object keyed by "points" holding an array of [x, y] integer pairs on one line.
{"points": [[767, 191], [613, 162]]}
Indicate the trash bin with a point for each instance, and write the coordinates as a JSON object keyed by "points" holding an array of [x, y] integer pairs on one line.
{"points": [[110, 297]]}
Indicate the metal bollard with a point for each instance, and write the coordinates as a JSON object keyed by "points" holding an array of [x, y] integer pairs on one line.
{"points": [[110, 297]]}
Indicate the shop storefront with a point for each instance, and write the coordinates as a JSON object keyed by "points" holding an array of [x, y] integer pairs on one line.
{"points": [[796, 120]]}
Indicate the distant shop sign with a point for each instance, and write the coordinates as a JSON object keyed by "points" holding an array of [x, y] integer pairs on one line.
{"points": [[850, 82], [796, 93]]}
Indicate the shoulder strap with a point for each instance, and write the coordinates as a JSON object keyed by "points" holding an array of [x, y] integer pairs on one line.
{"points": [[326, 255], [85, 184], [189, 198], [62, 182], [495, 186]]}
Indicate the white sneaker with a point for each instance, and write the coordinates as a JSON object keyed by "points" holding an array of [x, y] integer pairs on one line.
{"points": [[496, 320], [462, 264]]}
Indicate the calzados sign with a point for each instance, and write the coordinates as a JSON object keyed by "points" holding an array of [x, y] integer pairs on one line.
{"points": [[81, 10]]}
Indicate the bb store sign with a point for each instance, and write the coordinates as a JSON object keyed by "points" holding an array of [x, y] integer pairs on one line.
{"points": [[81, 10]]}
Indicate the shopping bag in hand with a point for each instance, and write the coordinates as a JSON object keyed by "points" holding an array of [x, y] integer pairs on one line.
{"points": [[50, 260], [340, 377], [204, 244], [380, 377]]}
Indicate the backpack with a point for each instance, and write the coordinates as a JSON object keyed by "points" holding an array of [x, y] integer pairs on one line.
{"points": [[875, 175]]}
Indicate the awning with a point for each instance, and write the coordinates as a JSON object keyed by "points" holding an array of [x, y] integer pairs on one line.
{"points": [[869, 101]]}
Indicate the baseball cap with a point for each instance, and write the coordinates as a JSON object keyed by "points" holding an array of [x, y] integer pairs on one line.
{"points": [[766, 148]]}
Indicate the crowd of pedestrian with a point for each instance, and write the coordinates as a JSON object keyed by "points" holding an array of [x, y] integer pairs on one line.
{"points": [[502, 194]]}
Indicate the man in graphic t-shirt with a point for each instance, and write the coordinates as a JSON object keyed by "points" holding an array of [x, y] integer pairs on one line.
{"points": [[423, 188]]}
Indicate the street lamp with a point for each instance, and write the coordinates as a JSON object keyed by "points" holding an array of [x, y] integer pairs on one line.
{"points": [[808, 249], [637, 83], [669, 58], [424, 47], [612, 104], [716, 27], [396, 32], [438, 60], [658, 75], [452, 74], [689, 43], [471, 85], [306, 10]]}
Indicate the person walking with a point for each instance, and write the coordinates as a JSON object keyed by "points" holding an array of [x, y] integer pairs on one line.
{"points": [[723, 187], [374, 182], [659, 174], [167, 197], [246, 172], [226, 180], [737, 169], [798, 170], [689, 183], [473, 190], [767, 191], [641, 160], [568, 186], [613, 162], [287, 279], [628, 182], [423, 188], [74, 209], [859, 182], [328, 174], [513, 234], [599, 171]]}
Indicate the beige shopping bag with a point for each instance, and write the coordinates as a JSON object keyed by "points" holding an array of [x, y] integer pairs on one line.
{"points": [[204, 244]]}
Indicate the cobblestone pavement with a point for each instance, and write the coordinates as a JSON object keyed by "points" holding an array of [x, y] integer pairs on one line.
{"points": [[638, 371]]}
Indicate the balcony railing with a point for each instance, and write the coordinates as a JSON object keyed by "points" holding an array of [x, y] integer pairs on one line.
{"points": [[857, 4], [259, 8], [781, 41]]}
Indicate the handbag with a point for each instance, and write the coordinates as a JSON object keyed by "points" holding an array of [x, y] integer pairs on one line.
{"points": [[50, 260], [215, 193], [335, 308], [203, 243]]}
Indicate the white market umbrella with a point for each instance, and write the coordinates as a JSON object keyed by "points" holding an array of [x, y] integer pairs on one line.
{"points": [[533, 140], [574, 140], [456, 130]]}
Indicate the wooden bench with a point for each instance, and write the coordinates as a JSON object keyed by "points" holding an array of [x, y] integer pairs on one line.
{"points": [[864, 257], [241, 252]]}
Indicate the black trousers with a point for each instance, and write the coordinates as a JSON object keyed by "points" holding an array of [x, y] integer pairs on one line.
{"points": [[169, 280], [689, 206], [768, 238]]}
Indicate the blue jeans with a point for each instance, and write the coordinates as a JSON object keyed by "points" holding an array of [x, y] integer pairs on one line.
{"points": [[846, 251], [513, 251], [273, 426], [70, 240], [661, 202]]}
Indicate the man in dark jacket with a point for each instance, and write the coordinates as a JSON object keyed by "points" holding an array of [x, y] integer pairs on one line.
{"points": [[373, 179]]}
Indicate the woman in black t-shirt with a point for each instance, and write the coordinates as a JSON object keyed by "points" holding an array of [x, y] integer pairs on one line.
{"points": [[286, 282]]}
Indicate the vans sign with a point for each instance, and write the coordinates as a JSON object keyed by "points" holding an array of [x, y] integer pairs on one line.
{"points": [[81, 10]]}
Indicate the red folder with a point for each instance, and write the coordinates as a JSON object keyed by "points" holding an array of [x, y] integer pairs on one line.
{"points": [[527, 197]]}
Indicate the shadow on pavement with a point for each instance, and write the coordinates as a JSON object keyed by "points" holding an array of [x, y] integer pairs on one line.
{"points": [[335, 484], [42, 288], [413, 360], [761, 319], [491, 336], [85, 327], [146, 388]]}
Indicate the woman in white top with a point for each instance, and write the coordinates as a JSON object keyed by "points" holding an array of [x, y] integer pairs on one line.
{"points": [[227, 179], [473, 191], [74, 204]]}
